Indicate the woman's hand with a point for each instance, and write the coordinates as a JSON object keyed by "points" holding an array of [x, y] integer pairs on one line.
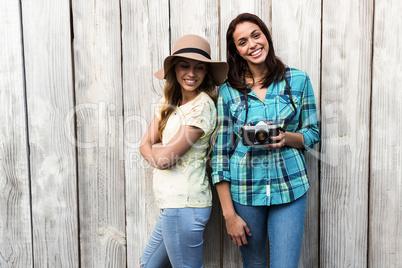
{"points": [[235, 226], [237, 229], [279, 140], [291, 139]]}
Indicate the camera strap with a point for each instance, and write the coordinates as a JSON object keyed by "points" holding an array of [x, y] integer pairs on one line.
{"points": [[293, 104]]}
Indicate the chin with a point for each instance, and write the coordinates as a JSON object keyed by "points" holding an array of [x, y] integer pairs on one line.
{"points": [[190, 89], [256, 63]]}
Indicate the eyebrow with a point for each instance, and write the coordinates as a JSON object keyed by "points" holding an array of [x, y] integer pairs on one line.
{"points": [[243, 38]]}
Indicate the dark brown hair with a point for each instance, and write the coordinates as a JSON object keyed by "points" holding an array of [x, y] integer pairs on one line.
{"points": [[238, 66]]}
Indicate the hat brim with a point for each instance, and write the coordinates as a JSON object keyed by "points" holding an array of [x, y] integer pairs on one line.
{"points": [[219, 69]]}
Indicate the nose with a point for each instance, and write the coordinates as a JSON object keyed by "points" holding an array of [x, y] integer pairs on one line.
{"points": [[191, 71], [252, 43]]}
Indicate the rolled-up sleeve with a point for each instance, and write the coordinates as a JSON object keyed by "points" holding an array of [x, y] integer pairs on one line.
{"points": [[220, 154], [308, 117]]}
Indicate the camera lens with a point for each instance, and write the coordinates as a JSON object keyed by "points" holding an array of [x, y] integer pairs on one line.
{"points": [[261, 136]]}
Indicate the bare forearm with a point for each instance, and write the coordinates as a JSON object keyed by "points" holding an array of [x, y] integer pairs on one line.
{"points": [[167, 155], [294, 139], [225, 198]]}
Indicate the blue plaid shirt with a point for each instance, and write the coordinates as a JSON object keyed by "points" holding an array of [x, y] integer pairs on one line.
{"points": [[259, 176]]}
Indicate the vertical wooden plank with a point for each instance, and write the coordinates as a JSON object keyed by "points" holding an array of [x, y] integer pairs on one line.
{"points": [[346, 77], [50, 97], [201, 18], [97, 57], [228, 11], [145, 40], [15, 218], [386, 147], [296, 32]]}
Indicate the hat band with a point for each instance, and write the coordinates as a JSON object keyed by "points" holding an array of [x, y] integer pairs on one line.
{"points": [[192, 50]]}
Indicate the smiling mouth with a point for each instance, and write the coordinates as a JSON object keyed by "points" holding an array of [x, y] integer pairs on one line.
{"points": [[189, 82], [257, 52]]}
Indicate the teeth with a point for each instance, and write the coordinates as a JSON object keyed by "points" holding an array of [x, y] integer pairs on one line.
{"points": [[256, 52], [190, 81]]}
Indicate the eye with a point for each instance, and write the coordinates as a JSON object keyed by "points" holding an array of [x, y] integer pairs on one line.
{"points": [[257, 35], [184, 66], [200, 67], [242, 43]]}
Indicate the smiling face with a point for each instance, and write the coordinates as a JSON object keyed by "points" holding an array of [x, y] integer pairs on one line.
{"points": [[251, 43], [190, 74]]}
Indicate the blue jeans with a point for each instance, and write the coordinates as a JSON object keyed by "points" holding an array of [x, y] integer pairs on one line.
{"points": [[178, 237], [284, 225]]}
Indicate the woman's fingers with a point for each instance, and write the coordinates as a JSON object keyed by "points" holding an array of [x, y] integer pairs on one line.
{"points": [[278, 141], [247, 230], [237, 230]]}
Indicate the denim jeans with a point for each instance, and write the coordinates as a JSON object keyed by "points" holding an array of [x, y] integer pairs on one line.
{"points": [[284, 225], [178, 237]]}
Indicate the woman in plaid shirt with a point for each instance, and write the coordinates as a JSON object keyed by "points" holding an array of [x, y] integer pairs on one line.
{"points": [[262, 183]]}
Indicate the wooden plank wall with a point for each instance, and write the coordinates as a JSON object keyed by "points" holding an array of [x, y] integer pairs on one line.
{"points": [[15, 219], [346, 60], [98, 86], [77, 93], [385, 210], [52, 158]]}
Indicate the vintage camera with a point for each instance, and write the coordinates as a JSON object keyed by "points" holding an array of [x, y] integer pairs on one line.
{"points": [[259, 134]]}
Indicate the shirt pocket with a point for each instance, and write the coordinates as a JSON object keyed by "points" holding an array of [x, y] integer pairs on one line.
{"points": [[286, 109]]}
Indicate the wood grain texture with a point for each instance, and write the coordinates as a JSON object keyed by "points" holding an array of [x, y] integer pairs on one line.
{"points": [[346, 76], [98, 88], [145, 42], [296, 33], [385, 245], [228, 11], [15, 218], [49, 86], [201, 18]]}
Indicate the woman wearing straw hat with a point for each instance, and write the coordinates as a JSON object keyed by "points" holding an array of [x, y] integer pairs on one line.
{"points": [[176, 144], [259, 171]]}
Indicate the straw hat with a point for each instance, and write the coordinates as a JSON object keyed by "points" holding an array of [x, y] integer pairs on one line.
{"points": [[197, 48]]}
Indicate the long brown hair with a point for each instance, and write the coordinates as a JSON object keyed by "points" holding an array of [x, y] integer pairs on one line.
{"points": [[172, 92], [238, 66]]}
